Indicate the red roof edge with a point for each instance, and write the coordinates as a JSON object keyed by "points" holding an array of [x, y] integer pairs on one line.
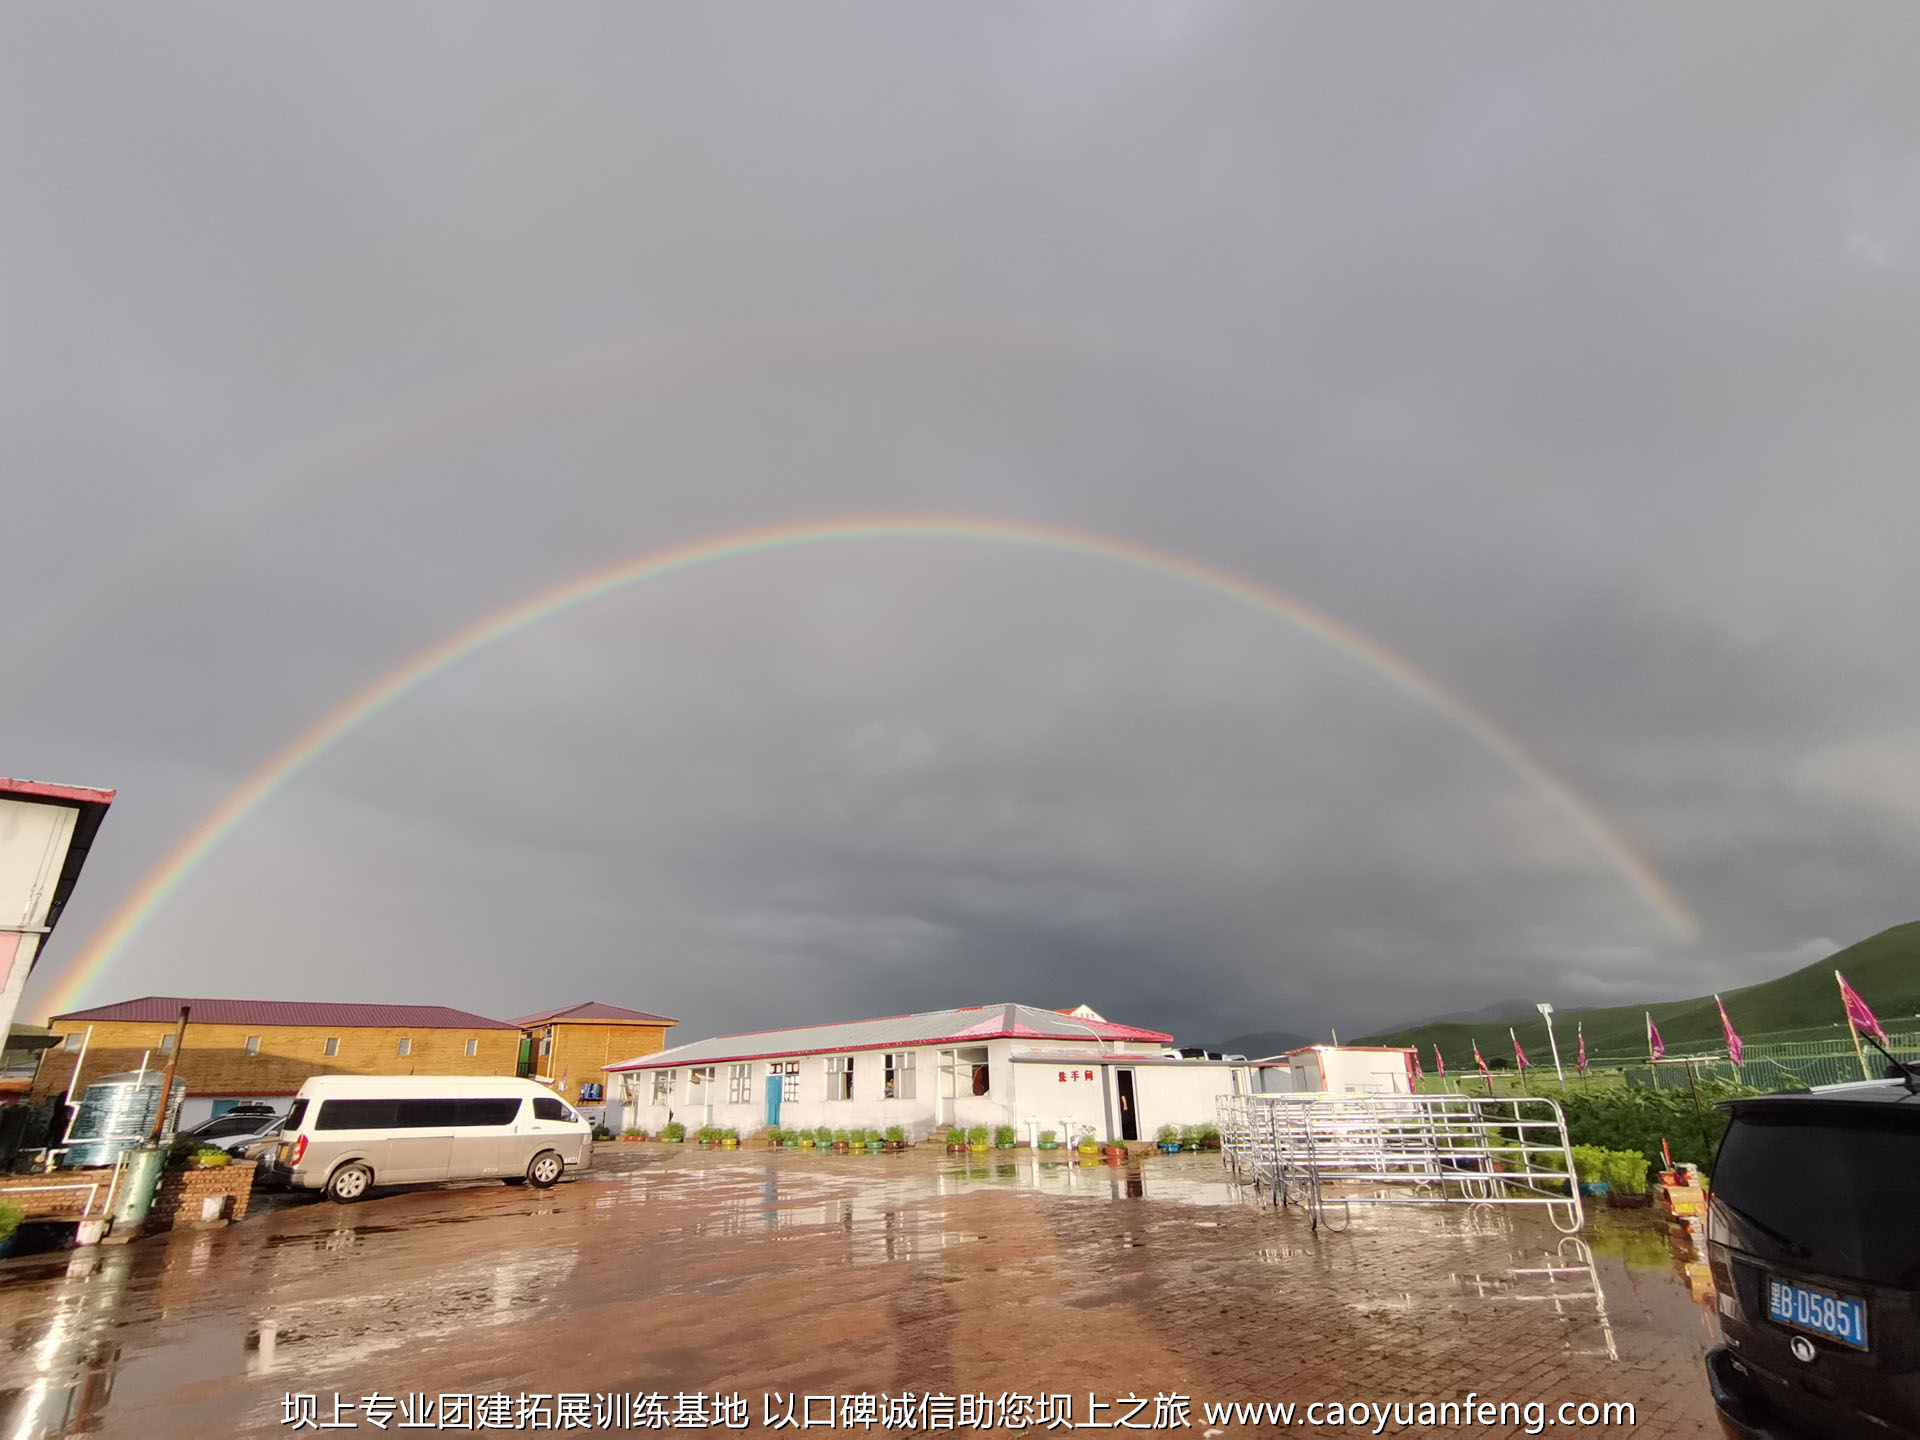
{"points": [[40, 790]]}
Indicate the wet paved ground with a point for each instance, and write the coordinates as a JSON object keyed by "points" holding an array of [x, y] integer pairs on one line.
{"points": [[670, 1271]]}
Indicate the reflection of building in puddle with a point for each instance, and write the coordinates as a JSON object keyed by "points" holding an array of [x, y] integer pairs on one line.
{"points": [[336, 1333], [1094, 1181], [68, 1370], [1566, 1282]]}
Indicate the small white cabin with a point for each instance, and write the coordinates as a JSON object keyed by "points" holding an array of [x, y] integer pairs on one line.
{"points": [[1338, 1069]]}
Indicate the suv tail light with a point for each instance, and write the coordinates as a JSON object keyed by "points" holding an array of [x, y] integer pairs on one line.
{"points": [[299, 1149]]}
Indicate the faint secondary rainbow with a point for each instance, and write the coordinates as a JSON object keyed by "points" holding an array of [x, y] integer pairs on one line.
{"points": [[357, 709]]}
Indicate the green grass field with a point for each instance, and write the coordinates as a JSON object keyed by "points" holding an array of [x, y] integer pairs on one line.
{"points": [[1803, 1005]]}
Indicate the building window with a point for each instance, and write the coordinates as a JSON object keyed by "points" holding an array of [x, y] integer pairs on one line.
{"points": [[332, 1047], [166, 1043], [700, 1084], [739, 1084], [75, 1041], [253, 1044], [473, 1047], [839, 1077], [789, 1073], [546, 1042], [406, 1045], [663, 1085], [900, 1075]]}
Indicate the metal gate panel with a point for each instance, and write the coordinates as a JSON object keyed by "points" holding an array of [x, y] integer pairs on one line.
{"points": [[1327, 1151]]}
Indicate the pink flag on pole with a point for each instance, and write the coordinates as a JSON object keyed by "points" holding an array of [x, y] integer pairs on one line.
{"points": [[1418, 1073], [1656, 1047], [1859, 1014], [1734, 1047], [1580, 1060], [1518, 1054], [1439, 1062]]}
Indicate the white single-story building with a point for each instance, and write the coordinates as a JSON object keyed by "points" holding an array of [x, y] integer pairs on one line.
{"points": [[986, 1065], [1369, 1069]]}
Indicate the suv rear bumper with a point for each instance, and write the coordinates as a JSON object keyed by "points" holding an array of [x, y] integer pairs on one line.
{"points": [[1743, 1416]]}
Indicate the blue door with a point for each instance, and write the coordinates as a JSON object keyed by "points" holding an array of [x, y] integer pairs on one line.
{"points": [[773, 1099]]}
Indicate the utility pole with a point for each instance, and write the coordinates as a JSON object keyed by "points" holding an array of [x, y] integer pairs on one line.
{"points": [[166, 1080], [1546, 1012]]}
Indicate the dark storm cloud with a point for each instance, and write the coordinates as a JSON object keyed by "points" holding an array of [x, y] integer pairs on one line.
{"points": [[1567, 355]]}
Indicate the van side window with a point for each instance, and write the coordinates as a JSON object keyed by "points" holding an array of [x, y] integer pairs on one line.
{"points": [[428, 1114], [488, 1112], [545, 1107], [357, 1115], [295, 1115]]}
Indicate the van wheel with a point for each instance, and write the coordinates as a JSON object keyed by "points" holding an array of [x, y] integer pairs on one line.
{"points": [[348, 1184], [544, 1173]]}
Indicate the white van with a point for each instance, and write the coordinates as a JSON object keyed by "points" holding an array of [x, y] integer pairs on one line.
{"points": [[347, 1133]]}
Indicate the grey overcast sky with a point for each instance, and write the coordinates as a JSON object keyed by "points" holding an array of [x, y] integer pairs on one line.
{"points": [[1568, 353]]}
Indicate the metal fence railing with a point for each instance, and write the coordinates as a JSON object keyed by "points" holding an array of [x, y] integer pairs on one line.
{"points": [[1328, 1152], [1769, 1065]]}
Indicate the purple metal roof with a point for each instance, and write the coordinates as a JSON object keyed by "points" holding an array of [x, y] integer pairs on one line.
{"points": [[934, 1027], [594, 1010], [165, 1009]]}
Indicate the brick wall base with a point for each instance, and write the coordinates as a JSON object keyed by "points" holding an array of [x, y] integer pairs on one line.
{"points": [[182, 1192]]}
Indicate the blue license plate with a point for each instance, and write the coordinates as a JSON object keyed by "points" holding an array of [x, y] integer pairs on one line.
{"points": [[1835, 1316]]}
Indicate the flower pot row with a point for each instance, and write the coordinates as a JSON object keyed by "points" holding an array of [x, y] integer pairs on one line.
{"points": [[841, 1142], [1172, 1139]]}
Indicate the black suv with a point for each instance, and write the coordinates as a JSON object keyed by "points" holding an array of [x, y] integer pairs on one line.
{"points": [[1813, 1230]]}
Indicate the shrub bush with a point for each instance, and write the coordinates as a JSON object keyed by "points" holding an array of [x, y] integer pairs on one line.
{"points": [[1640, 1119]]}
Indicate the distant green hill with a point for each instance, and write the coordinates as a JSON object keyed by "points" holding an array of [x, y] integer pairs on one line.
{"points": [[1884, 968]]}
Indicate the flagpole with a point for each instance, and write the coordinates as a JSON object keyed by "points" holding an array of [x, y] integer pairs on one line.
{"points": [[1546, 1013], [1847, 1009], [1650, 1055]]}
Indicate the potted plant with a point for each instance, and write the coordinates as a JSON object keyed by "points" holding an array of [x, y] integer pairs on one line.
{"points": [[789, 1140], [1049, 1140], [674, 1133], [1626, 1172], [823, 1138], [11, 1215], [806, 1140], [773, 1137], [1209, 1137], [956, 1140], [1115, 1149], [977, 1138], [896, 1138], [729, 1139], [1168, 1139], [1004, 1137], [1088, 1146], [841, 1142], [876, 1142], [632, 1134]]}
